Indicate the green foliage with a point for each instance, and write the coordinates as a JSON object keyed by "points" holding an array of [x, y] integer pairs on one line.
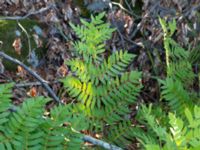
{"points": [[178, 60], [26, 126], [176, 88], [177, 97], [100, 84], [174, 126], [180, 134]]}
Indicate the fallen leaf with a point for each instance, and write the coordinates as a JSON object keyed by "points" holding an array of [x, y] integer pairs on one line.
{"points": [[32, 92], [62, 71], [20, 71], [37, 40], [17, 45]]}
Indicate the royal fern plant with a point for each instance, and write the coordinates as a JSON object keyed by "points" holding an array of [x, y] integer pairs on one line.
{"points": [[180, 133], [177, 87], [28, 126], [172, 123], [100, 85]]}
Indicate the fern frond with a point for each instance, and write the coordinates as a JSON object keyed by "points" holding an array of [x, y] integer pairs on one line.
{"points": [[102, 87], [22, 123], [177, 129], [5, 102], [88, 72], [59, 136], [128, 85], [177, 97], [177, 58], [121, 134], [182, 71], [176, 52], [115, 65], [92, 35], [194, 56]]}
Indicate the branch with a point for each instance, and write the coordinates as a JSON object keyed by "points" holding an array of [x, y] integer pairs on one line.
{"points": [[19, 85], [100, 143], [34, 74], [29, 14]]}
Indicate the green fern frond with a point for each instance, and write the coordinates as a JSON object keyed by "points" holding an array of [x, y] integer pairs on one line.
{"points": [[27, 127], [102, 87], [177, 97], [121, 134], [92, 35], [194, 56], [116, 64], [5, 95], [128, 85], [5, 102], [177, 129], [177, 58], [22, 123], [182, 71]]}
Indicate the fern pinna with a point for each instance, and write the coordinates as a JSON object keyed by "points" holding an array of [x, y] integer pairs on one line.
{"points": [[101, 85]]}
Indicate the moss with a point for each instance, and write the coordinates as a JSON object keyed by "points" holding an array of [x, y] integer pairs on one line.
{"points": [[8, 35]]}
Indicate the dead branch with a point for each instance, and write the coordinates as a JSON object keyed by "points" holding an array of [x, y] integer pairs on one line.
{"points": [[20, 85], [34, 74], [29, 14], [100, 143]]}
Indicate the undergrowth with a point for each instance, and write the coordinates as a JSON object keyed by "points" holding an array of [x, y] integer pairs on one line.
{"points": [[102, 91]]}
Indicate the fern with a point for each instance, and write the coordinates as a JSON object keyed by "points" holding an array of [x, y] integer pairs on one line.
{"points": [[178, 98], [181, 133], [178, 62], [180, 76], [5, 102], [178, 129], [101, 85], [26, 126]]}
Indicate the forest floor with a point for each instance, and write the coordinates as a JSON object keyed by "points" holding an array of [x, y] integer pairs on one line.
{"points": [[138, 31]]}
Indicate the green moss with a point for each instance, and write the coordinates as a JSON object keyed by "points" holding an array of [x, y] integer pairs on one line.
{"points": [[8, 35]]}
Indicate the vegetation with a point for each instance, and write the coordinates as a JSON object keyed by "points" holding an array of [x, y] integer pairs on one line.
{"points": [[29, 127], [103, 87]]}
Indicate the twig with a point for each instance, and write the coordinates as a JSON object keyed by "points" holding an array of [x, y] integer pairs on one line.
{"points": [[139, 25], [28, 36], [113, 20], [100, 143], [29, 14], [34, 74], [19, 85], [124, 9]]}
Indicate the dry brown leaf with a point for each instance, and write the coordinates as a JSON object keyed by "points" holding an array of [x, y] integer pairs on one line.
{"points": [[37, 40], [17, 44], [62, 71], [32, 92], [20, 71]]}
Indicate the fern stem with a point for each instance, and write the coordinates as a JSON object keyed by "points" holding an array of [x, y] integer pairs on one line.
{"points": [[166, 45]]}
